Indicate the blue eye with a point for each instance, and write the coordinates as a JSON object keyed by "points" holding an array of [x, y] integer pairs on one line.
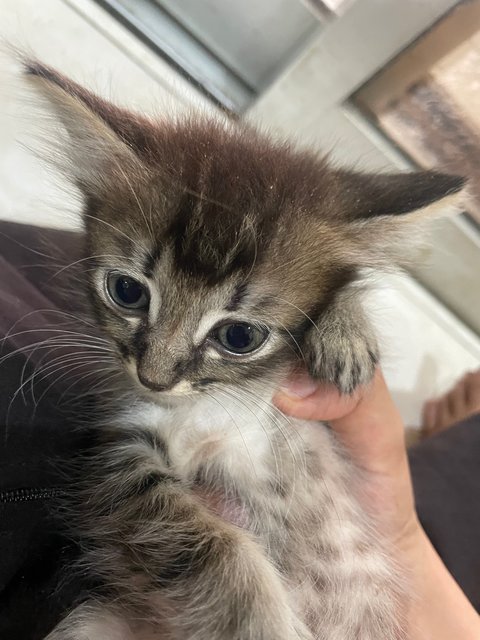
{"points": [[127, 292], [240, 337]]}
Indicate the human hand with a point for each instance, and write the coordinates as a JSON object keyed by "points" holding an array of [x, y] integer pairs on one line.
{"points": [[370, 427], [372, 431]]}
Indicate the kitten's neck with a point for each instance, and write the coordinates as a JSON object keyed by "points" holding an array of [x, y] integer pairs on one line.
{"points": [[217, 429]]}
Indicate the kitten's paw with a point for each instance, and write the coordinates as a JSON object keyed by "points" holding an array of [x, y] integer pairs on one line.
{"points": [[347, 361]]}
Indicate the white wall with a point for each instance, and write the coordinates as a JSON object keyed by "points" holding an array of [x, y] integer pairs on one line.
{"points": [[87, 44]]}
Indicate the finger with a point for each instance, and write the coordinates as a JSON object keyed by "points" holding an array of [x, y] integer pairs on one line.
{"points": [[472, 391], [429, 416], [444, 417], [456, 401], [314, 401]]}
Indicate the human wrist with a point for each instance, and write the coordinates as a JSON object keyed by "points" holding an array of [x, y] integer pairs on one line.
{"points": [[438, 609]]}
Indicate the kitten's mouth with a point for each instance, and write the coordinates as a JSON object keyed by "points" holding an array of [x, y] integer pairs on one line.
{"points": [[168, 397]]}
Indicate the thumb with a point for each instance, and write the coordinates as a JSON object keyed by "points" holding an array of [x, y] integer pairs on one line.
{"points": [[304, 398]]}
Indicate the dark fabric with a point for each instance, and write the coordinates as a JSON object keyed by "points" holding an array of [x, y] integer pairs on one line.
{"points": [[446, 478], [35, 441], [37, 582]]}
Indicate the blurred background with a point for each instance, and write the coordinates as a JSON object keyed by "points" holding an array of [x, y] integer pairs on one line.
{"points": [[380, 84]]}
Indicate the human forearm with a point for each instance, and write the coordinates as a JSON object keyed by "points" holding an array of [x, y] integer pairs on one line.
{"points": [[439, 609]]}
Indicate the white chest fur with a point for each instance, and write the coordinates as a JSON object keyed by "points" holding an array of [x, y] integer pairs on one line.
{"points": [[211, 431]]}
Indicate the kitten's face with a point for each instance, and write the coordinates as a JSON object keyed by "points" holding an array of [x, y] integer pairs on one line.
{"points": [[201, 289], [179, 336], [215, 252]]}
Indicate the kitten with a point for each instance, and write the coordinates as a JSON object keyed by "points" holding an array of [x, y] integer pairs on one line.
{"points": [[218, 261]]}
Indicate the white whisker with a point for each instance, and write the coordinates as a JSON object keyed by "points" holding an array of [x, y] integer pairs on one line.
{"points": [[237, 427]]}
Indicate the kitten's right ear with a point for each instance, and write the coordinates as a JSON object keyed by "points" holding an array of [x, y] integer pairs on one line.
{"points": [[101, 146]]}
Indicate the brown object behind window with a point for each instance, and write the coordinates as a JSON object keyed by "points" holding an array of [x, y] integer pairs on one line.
{"points": [[428, 100]]}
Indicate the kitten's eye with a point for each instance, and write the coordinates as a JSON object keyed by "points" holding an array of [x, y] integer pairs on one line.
{"points": [[127, 292], [240, 337]]}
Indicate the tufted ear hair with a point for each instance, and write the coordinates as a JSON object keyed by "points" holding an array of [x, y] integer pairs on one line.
{"points": [[382, 215], [374, 213], [104, 143], [369, 196]]}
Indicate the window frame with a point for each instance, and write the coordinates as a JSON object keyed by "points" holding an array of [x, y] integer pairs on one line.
{"points": [[319, 85]]}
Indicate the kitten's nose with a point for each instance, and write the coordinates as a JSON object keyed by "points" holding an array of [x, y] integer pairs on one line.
{"points": [[152, 384]]}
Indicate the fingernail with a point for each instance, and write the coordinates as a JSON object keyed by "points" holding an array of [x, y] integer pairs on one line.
{"points": [[300, 387]]}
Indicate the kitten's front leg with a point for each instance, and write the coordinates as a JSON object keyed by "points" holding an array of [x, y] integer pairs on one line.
{"points": [[164, 551], [92, 621], [215, 576], [342, 348]]}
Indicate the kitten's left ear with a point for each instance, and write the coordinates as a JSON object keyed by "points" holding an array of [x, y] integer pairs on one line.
{"points": [[381, 214], [341, 347], [104, 141], [367, 197]]}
